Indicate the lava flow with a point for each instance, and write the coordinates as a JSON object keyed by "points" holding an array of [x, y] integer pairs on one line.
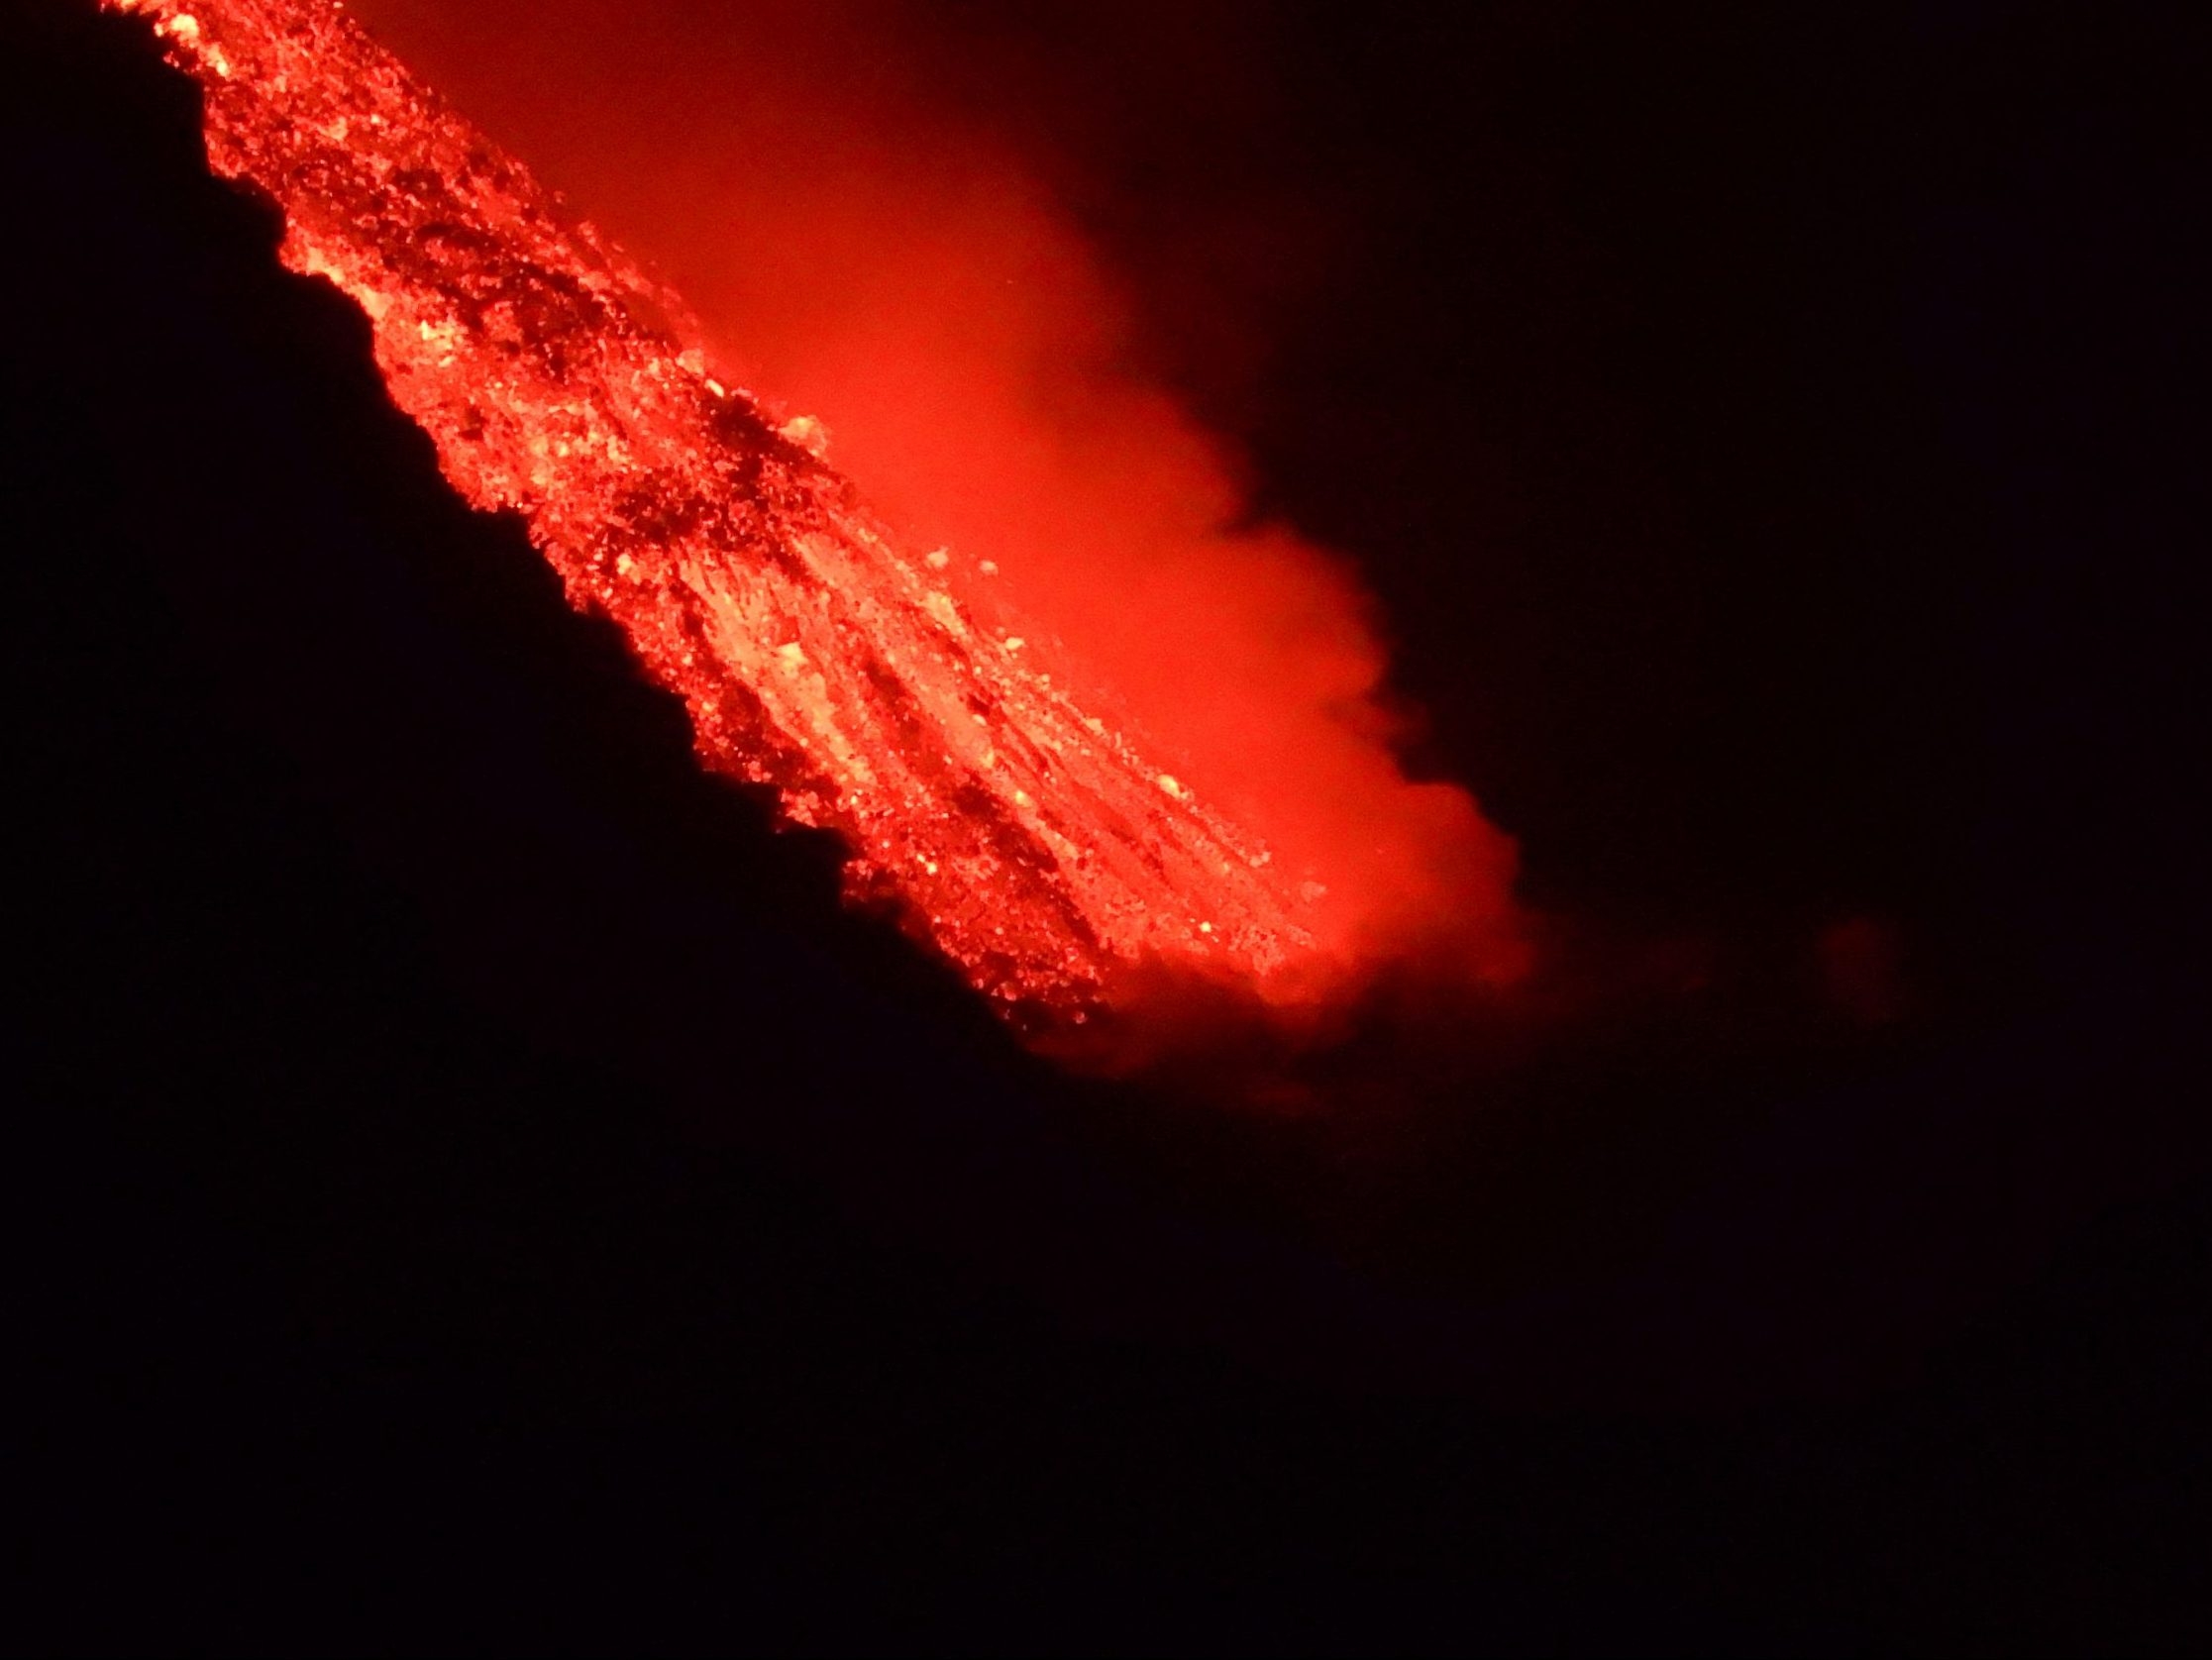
{"points": [[887, 694]]}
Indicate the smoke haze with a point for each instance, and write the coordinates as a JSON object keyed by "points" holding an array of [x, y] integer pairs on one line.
{"points": [[871, 213]]}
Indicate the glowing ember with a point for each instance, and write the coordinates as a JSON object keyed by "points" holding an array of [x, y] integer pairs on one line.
{"points": [[882, 692]]}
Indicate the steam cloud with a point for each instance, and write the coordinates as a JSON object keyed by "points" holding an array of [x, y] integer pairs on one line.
{"points": [[870, 249]]}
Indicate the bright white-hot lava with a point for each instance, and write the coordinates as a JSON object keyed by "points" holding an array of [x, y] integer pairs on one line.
{"points": [[888, 692]]}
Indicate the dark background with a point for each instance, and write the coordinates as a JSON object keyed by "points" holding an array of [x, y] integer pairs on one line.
{"points": [[479, 1190]]}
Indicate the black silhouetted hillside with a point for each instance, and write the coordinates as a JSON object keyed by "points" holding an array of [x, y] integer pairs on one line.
{"points": [[459, 1126], [474, 1187]]}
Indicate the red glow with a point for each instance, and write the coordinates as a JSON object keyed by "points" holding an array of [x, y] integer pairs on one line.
{"points": [[881, 266]]}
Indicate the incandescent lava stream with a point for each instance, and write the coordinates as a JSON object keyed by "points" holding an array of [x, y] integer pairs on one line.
{"points": [[886, 692]]}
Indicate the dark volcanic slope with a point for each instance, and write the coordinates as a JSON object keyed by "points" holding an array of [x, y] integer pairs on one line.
{"points": [[400, 988], [478, 1189]]}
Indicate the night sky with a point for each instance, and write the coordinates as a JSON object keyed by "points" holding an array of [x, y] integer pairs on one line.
{"points": [[481, 1190]]}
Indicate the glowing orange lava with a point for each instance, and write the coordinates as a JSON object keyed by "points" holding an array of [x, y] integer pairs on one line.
{"points": [[887, 693]]}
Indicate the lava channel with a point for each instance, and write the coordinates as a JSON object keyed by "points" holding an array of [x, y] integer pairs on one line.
{"points": [[884, 693]]}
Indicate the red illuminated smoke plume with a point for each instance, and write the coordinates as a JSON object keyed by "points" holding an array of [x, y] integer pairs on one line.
{"points": [[888, 689]]}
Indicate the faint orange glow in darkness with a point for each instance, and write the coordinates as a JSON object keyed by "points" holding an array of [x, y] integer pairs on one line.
{"points": [[1071, 722]]}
